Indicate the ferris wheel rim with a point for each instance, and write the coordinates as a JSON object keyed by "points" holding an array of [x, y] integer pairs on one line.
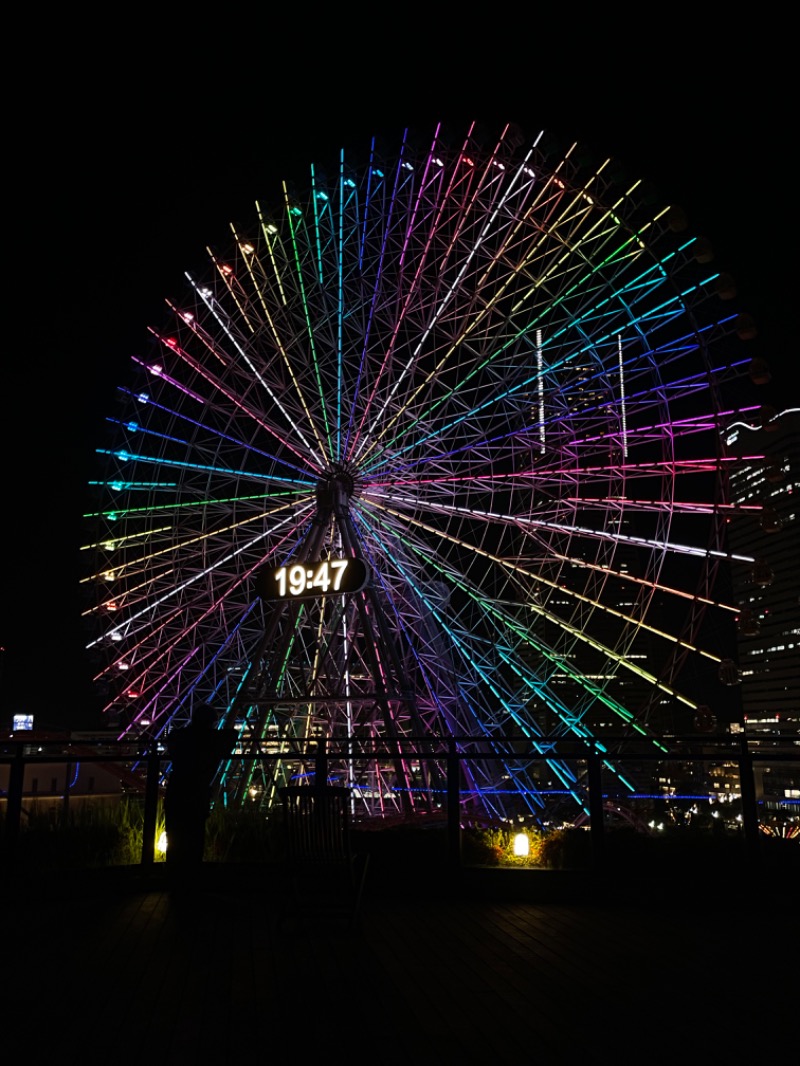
{"points": [[495, 358]]}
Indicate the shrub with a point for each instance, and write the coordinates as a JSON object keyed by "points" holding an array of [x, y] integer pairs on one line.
{"points": [[495, 847], [87, 835], [241, 835], [564, 849]]}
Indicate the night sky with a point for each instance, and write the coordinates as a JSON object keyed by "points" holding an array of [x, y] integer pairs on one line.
{"points": [[128, 163]]}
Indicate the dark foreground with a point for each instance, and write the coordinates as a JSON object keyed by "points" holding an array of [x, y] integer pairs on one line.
{"points": [[110, 967]]}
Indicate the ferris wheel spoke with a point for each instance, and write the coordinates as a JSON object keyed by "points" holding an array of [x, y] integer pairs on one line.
{"points": [[440, 308], [462, 645], [226, 441], [155, 601], [430, 556], [479, 664], [241, 345]]}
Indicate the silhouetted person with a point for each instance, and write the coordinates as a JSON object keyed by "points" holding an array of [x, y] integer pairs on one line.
{"points": [[196, 751]]}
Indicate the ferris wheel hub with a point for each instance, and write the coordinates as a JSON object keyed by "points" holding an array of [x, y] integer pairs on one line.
{"points": [[338, 486]]}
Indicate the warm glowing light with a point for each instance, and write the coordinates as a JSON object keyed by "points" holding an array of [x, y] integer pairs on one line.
{"points": [[522, 845], [161, 844]]}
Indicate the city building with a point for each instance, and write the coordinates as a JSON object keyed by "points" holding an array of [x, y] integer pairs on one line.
{"points": [[768, 594]]}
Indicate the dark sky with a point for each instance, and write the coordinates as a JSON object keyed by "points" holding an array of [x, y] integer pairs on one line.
{"points": [[131, 157]]}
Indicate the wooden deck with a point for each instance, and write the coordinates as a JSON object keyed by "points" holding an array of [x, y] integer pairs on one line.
{"points": [[110, 966]]}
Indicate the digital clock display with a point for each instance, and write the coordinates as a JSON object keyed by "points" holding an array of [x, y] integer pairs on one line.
{"points": [[309, 579]]}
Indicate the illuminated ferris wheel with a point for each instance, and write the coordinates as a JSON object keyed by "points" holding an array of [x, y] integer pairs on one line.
{"points": [[431, 450]]}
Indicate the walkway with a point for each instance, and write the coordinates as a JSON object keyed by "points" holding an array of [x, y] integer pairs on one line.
{"points": [[109, 967]]}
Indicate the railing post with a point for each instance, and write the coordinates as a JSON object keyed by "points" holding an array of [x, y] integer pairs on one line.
{"points": [[65, 798], [453, 805], [321, 764], [747, 786], [596, 817], [150, 807], [16, 779]]}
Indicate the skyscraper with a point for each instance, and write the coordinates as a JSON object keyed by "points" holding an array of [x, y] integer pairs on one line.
{"points": [[769, 592], [769, 596]]}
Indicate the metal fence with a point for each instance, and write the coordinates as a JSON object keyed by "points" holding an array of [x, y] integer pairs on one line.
{"points": [[738, 784]]}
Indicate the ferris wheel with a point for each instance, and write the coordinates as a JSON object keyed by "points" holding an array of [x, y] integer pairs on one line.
{"points": [[432, 449]]}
